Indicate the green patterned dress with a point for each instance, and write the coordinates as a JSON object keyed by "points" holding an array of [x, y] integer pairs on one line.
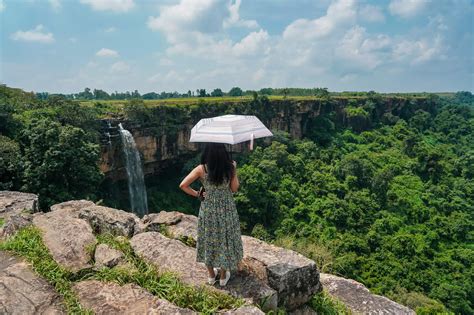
{"points": [[219, 242]]}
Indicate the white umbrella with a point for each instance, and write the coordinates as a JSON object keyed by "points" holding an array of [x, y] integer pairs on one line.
{"points": [[229, 129]]}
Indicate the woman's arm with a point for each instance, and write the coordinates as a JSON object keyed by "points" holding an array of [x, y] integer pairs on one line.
{"points": [[234, 183], [189, 179]]}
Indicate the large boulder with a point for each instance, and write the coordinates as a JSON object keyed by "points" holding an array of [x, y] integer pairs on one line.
{"points": [[23, 292], [14, 223], [293, 276], [112, 298], [105, 256], [358, 298], [109, 220], [69, 240], [178, 224], [172, 255], [72, 208], [15, 202], [243, 310]]}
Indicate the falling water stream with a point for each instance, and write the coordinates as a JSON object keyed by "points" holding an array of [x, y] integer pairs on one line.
{"points": [[136, 182]]}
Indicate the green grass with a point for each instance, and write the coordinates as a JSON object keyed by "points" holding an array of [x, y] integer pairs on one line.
{"points": [[28, 244], [324, 304], [2, 222], [117, 105], [164, 285]]}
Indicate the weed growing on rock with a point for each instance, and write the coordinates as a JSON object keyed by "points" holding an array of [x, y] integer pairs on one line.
{"points": [[28, 244], [322, 303]]}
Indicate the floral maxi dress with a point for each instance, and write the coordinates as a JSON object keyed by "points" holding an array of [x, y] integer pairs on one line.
{"points": [[219, 242]]}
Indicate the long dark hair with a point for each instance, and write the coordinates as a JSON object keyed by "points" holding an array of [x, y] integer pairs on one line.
{"points": [[218, 161]]}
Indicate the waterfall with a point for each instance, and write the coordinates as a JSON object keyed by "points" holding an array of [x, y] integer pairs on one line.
{"points": [[136, 182]]}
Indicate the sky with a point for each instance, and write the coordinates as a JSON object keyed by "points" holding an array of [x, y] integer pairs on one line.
{"points": [[63, 46]]}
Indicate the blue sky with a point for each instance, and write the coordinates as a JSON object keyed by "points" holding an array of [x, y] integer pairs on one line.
{"points": [[118, 45]]}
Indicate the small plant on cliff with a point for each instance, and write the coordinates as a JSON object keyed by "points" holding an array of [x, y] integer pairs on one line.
{"points": [[322, 303]]}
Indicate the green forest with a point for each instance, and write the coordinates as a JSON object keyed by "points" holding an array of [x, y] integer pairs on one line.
{"points": [[387, 202]]}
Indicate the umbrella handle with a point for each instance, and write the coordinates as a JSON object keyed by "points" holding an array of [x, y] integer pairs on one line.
{"points": [[251, 142]]}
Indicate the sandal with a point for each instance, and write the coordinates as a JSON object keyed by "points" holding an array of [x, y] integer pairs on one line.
{"points": [[210, 280], [223, 282]]}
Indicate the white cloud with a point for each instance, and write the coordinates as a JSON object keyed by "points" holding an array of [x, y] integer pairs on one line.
{"points": [[120, 67], [339, 13], [253, 43], [407, 8], [419, 51], [204, 16], [363, 52], [105, 52], [166, 62], [55, 5], [2, 6], [118, 6], [234, 18], [110, 29], [35, 35], [371, 13]]}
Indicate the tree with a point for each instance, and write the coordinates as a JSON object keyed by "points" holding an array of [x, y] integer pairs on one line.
{"points": [[235, 91], [322, 92], [201, 93], [60, 163], [101, 95], [9, 163], [266, 91], [217, 93]]}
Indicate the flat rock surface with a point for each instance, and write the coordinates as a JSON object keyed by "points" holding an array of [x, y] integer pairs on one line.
{"points": [[303, 310], [358, 298], [163, 217], [112, 298], [68, 239], [73, 207], [244, 310], [14, 202], [293, 276], [107, 256], [14, 223], [186, 227], [23, 292], [172, 255], [110, 220]]}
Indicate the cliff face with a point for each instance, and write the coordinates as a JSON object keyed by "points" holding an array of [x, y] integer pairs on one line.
{"points": [[165, 137], [268, 276]]}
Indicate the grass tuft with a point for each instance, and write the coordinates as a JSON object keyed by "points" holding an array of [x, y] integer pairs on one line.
{"points": [[28, 243], [165, 285], [324, 304]]}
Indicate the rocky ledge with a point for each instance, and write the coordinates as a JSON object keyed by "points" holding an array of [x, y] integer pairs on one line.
{"points": [[294, 277], [269, 276], [357, 298], [23, 292]]}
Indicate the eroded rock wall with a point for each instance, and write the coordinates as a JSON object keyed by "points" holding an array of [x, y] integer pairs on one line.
{"points": [[166, 137]]}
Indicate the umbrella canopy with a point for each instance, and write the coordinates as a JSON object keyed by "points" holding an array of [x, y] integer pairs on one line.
{"points": [[229, 129]]}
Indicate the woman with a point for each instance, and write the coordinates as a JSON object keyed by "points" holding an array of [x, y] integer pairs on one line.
{"points": [[219, 242]]}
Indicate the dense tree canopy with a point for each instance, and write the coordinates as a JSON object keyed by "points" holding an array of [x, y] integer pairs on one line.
{"points": [[383, 197], [394, 205]]}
